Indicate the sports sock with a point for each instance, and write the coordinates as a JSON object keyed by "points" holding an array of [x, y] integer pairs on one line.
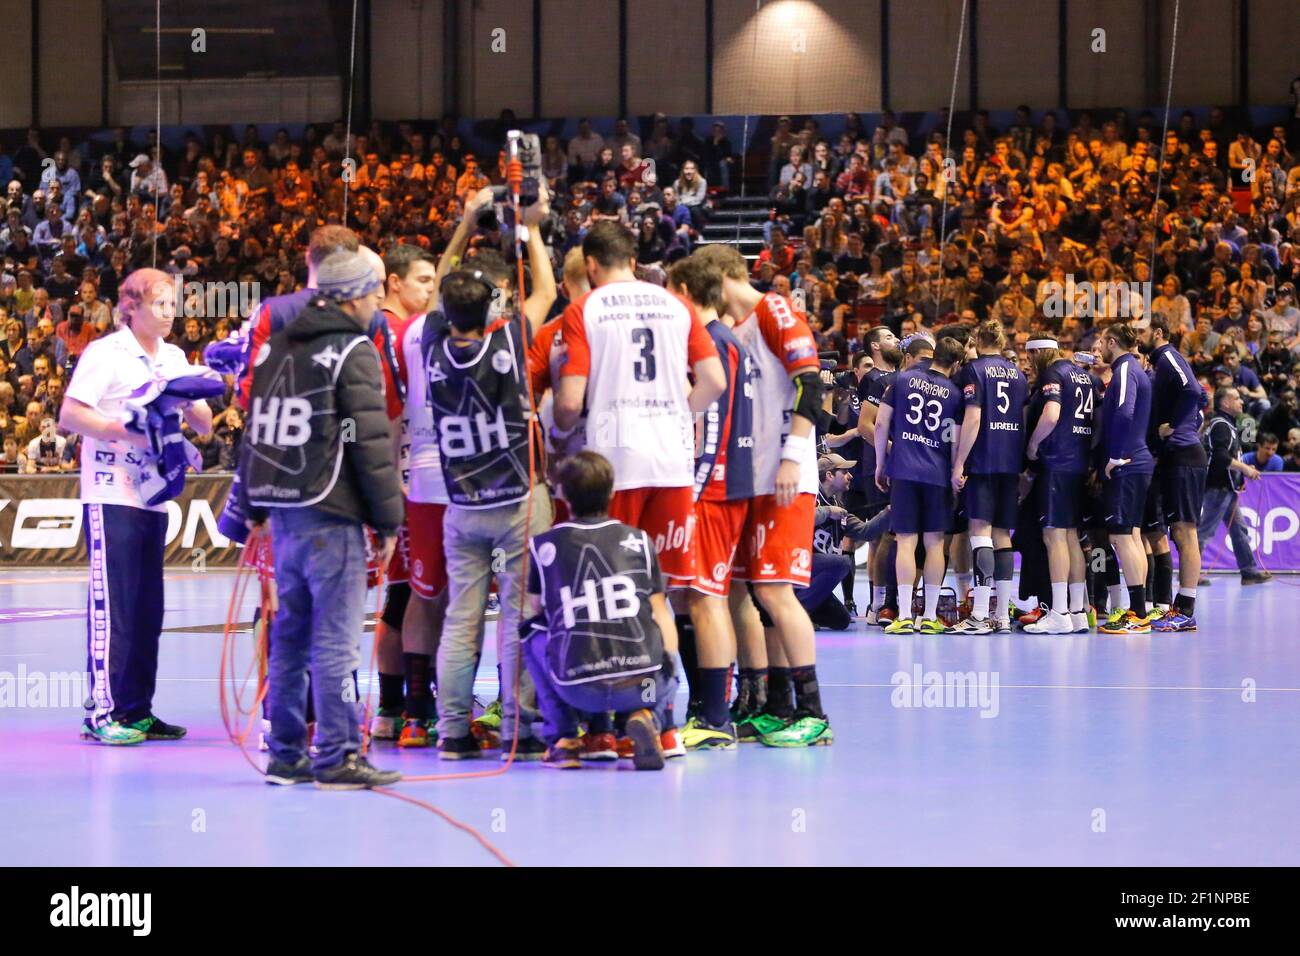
{"points": [[846, 585], [390, 691], [1163, 591], [807, 695], [1137, 597], [780, 702], [965, 581], [1060, 597], [712, 693], [905, 600], [878, 596], [751, 690], [931, 602], [1114, 596], [1078, 597], [418, 699], [1186, 601], [1004, 569], [690, 659], [984, 565]]}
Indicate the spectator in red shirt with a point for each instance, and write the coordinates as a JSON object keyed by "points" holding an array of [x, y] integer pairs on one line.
{"points": [[778, 252], [75, 332]]}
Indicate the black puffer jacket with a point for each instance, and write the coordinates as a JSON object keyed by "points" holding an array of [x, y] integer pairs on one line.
{"points": [[317, 433]]}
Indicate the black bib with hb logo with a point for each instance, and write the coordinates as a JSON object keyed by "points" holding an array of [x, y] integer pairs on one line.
{"points": [[596, 581], [478, 393]]}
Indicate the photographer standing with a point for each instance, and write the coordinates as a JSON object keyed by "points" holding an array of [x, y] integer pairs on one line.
{"points": [[475, 357], [317, 456]]}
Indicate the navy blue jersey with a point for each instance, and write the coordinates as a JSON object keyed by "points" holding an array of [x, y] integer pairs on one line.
{"points": [[926, 416], [1125, 415], [998, 389], [871, 389], [1068, 447], [724, 468], [1177, 399]]}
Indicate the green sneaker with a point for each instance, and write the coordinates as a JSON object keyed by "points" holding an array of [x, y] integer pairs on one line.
{"points": [[930, 625], [155, 729], [114, 733], [902, 625], [751, 727], [1115, 617], [490, 719], [807, 731]]}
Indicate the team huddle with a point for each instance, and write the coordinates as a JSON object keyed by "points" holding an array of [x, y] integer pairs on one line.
{"points": [[1102, 452], [639, 479]]}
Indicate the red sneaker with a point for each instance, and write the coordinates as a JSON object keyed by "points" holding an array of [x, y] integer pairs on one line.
{"points": [[671, 741], [600, 747], [624, 748], [1033, 616]]}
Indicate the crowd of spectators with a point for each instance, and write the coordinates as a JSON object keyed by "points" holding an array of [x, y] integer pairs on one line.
{"points": [[1052, 229], [868, 225]]}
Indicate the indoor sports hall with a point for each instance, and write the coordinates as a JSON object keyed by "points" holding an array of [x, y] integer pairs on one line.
{"points": [[314, 318]]}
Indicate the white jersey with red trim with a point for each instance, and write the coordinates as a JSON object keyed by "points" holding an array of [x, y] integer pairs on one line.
{"points": [[778, 342], [426, 485], [636, 342]]}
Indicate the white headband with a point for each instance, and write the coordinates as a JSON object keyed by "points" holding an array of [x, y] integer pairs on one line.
{"points": [[1041, 344]]}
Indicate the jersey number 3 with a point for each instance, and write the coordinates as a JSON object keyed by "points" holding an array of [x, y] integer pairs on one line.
{"points": [[643, 366]]}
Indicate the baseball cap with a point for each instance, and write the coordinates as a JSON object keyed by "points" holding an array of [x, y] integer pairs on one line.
{"points": [[833, 462]]}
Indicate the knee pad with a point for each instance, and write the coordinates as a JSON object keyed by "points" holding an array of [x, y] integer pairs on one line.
{"points": [[984, 564]]}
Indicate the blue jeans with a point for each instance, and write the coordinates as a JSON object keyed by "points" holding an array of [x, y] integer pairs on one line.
{"points": [[828, 570], [320, 576], [1220, 507], [482, 543], [563, 707]]}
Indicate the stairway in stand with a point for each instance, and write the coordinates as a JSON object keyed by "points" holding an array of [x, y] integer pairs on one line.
{"points": [[739, 222]]}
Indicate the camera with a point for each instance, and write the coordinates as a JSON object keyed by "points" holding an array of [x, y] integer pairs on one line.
{"points": [[526, 148]]}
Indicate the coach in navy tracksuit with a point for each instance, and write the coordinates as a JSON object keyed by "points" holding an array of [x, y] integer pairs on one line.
{"points": [[1125, 414], [124, 536]]}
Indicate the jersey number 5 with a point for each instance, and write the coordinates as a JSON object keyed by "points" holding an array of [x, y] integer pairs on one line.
{"points": [[643, 367]]}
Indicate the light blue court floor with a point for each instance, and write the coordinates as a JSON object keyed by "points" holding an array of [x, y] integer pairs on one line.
{"points": [[1088, 750]]}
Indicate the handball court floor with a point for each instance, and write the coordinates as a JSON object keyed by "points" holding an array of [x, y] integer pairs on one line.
{"points": [[1096, 751]]}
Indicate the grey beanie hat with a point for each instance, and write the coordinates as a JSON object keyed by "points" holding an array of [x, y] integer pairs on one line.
{"points": [[345, 276]]}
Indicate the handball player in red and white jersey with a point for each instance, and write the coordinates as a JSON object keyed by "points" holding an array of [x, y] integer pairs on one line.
{"points": [[775, 551], [409, 287], [630, 346], [546, 357]]}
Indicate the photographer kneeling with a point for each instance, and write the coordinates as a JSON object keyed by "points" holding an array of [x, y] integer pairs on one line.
{"points": [[604, 638]]}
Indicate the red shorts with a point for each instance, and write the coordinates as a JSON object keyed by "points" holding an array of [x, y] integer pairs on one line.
{"points": [[668, 516], [428, 564], [399, 563], [776, 546], [719, 526]]}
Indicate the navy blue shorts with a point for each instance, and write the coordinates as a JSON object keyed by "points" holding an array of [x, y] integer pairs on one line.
{"points": [[1124, 499], [1058, 499], [1182, 491], [1153, 511], [992, 498], [915, 507]]}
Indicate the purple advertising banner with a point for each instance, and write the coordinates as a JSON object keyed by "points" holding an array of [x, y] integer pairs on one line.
{"points": [[1270, 508]]}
